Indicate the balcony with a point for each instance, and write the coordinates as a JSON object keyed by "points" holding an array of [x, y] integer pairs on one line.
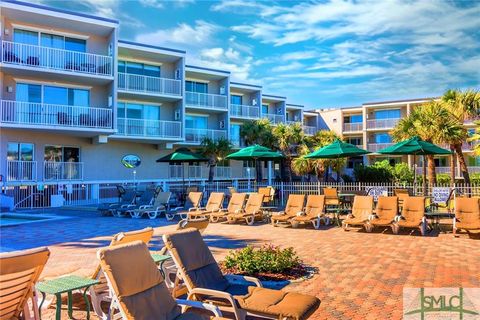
{"points": [[56, 59], [62, 171], [244, 111], [374, 147], [198, 172], [21, 170], [193, 135], [206, 101], [249, 173], [382, 123], [353, 127], [149, 128], [42, 114], [274, 118], [309, 130], [149, 85]]}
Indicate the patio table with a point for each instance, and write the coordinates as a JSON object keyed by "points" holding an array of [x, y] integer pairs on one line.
{"points": [[66, 284], [160, 259], [267, 213]]}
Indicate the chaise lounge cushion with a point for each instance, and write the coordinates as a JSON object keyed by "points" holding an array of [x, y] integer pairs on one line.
{"points": [[468, 226]]}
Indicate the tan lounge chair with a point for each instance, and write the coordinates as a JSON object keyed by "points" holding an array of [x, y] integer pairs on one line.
{"points": [[205, 282], [402, 194], [193, 203], [142, 294], [158, 207], [100, 292], [331, 197], [200, 224], [19, 272], [413, 215], [251, 212], [361, 211], [293, 208], [214, 204], [467, 215], [235, 205], [385, 213], [314, 212]]}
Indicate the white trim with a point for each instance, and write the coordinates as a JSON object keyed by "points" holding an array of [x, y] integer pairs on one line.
{"points": [[236, 94], [197, 115], [51, 83], [196, 80], [158, 64], [159, 104], [49, 31]]}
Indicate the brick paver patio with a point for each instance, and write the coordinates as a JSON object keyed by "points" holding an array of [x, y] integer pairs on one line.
{"points": [[360, 275]]}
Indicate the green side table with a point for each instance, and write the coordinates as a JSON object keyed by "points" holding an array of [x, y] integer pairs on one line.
{"points": [[160, 259], [65, 284]]}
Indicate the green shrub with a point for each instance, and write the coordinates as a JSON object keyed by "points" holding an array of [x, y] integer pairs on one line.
{"points": [[267, 259], [475, 178], [402, 173], [346, 178], [380, 171], [443, 178]]}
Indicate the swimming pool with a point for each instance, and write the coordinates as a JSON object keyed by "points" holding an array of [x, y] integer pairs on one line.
{"points": [[15, 219]]}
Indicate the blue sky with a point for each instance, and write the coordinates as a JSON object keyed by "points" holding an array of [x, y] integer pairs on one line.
{"points": [[319, 53]]}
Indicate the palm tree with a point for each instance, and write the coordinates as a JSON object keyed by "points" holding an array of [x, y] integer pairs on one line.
{"points": [[463, 105], [288, 138], [215, 150], [318, 140], [301, 165]]}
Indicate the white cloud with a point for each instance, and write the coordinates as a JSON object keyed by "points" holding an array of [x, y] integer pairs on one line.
{"points": [[152, 3], [288, 67]]}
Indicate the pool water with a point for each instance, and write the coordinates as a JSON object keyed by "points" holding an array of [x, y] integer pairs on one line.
{"points": [[15, 219]]}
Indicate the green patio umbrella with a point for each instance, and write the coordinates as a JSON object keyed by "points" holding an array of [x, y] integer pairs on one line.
{"points": [[415, 146], [254, 153]]}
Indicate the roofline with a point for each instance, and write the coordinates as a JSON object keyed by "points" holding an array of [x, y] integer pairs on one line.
{"points": [[400, 101], [272, 96], [295, 105], [150, 46], [245, 84], [207, 69], [39, 6]]}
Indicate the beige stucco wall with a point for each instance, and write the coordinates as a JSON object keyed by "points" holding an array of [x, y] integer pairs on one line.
{"points": [[333, 120]]}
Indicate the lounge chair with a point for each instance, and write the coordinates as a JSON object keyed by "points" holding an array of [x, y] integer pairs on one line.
{"points": [[251, 212], [361, 211], [467, 215], [193, 202], [413, 215], [235, 205], [314, 212], [126, 198], [293, 208], [159, 206], [142, 294], [385, 213], [331, 197], [19, 272], [401, 194], [100, 292], [214, 204], [146, 199], [240, 295], [200, 224]]}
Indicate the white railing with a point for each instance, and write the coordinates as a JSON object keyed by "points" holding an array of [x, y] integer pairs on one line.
{"points": [[222, 172], [176, 171], [382, 123], [206, 100], [197, 135], [146, 84], [249, 173], [30, 113], [374, 147], [62, 170], [274, 118], [195, 172], [149, 128], [198, 172], [438, 170], [353, 127], [55, 59], [309, 130], [244, 111], [21, 170]]}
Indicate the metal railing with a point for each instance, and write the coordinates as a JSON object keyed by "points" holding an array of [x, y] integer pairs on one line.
{"points": [[440, 170], [249, 172], [29, 113], [382, 123], [21, 170], [309, 130], [244, 111], [55, 59], [273, 118], [62, 170], [221, 172], [206, 100], [374, 147], [146, 84], [197, 135], [353, 127], [187, 172], [149, 128]]}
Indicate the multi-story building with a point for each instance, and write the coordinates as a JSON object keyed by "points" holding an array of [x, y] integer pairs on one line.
{"points": [[75, 99]]}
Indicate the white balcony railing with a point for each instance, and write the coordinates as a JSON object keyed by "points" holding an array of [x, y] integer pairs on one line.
{"points": [[197, 135], [382, 123], [55, 59], [374, 147], [309, 130], [21, 170], [274, 118], [28, 113], [249, 173], [149, 128], [353, 127], [63, 170], [244, 111], [198, 172], [145, 84], [206, 100], [221, 172]]}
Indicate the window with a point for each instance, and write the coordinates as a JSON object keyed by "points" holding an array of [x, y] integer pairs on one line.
{"points": [[353, 162], [140, 69], [138, 111], [199, 87], [61, 154], [388, 114], [196, 122], [382, 138], [264, 108], [355, 141], [19, 151], [287, 116], [356, 118], [27, 92], [236, 99], [49, 40], [235, 134]]}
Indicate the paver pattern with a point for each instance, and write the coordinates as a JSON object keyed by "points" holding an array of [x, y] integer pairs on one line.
{"points": [[360, 275]]}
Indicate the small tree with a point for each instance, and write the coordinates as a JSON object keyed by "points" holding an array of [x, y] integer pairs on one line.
{"points": [[215, 150]]}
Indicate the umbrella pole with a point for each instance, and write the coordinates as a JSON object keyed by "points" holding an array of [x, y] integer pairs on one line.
{"points": [[414, 170], [424, 176]]}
